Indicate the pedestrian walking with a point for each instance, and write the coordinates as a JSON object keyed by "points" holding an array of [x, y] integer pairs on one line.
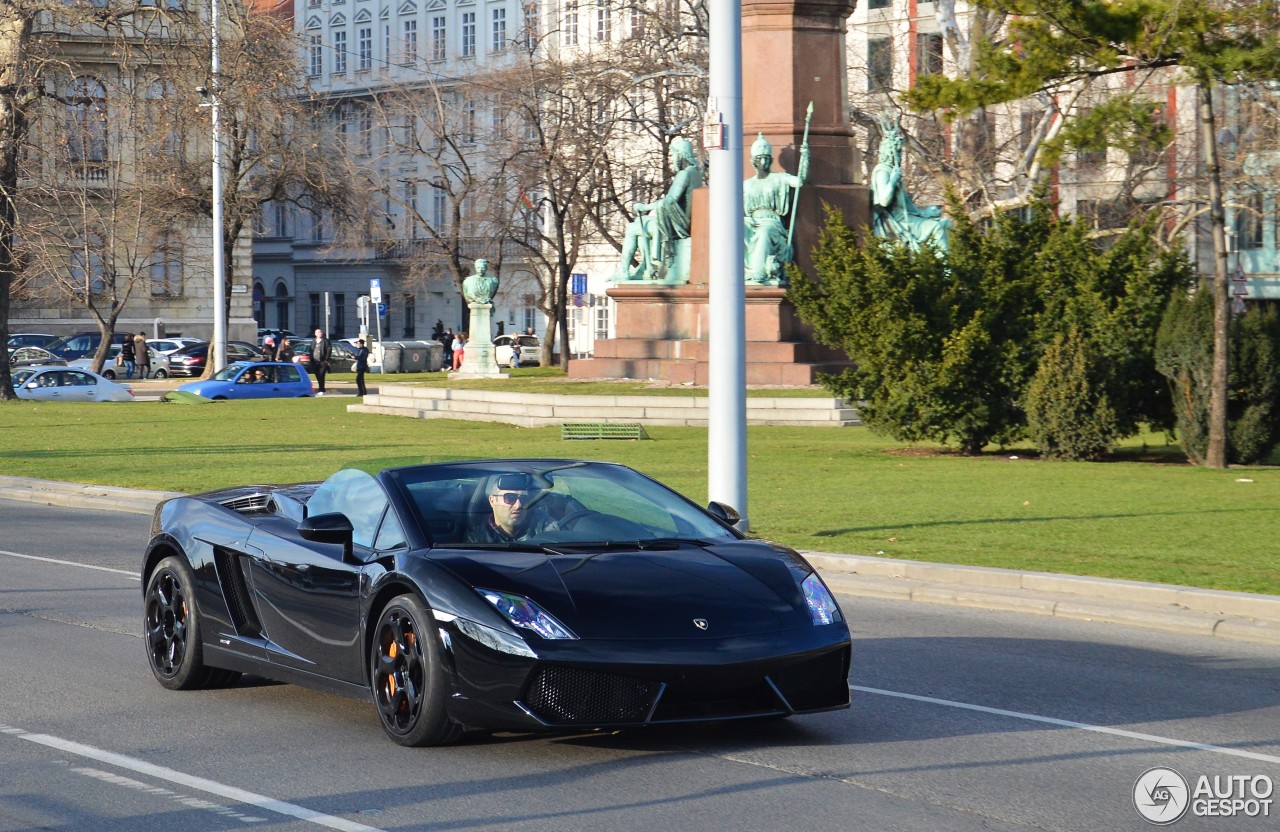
{"points": [[321, 352], [362, 366], [142, 354], [459, 344], [126, 353], [284, 352]]}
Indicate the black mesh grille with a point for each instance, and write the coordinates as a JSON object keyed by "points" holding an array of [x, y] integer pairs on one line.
{"points": [[560, 695], [817, 683]]}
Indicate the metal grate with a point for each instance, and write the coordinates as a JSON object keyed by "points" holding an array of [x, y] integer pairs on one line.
{"points": [[249, 503], [560, 695], [817, 683], [603, 430]]}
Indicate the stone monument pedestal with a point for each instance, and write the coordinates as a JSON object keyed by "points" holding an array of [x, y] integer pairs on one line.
{"points": [[664, 334], [478, 360]]}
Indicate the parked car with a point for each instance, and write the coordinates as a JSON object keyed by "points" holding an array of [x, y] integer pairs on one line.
{"points": [[30, 339], [190, 361], [168, 346], [112, 370], [275, 334], [341, 357], [259, 380], [67, 384], [29, 356], [530, 349], [82, 343]]}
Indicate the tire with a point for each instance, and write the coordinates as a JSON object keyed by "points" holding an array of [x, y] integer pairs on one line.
{"points": [[406, 677], [161, 374], [171, 630], [109, 374]]}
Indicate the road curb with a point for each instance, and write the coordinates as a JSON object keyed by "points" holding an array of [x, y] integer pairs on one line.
{"points": [[1239, 616]]}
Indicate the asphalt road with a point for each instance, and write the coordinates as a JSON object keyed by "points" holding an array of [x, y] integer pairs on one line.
{"points": [[961, 720]]}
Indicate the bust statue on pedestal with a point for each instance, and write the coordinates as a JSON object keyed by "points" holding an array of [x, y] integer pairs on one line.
{"points": [[481, 286], [478, 289]]}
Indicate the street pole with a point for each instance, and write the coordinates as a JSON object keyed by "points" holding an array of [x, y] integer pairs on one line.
{"points": [[218, 347], [727, 405]]}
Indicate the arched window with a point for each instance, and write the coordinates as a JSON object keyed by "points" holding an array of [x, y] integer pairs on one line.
{"points": [[161, 129], [282, 305], [165, 266], [88, 269], [259, 304], [87, 121]]}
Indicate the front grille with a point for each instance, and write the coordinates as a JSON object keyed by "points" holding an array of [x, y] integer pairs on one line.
{"points": [[570, 695], [817, 683]]}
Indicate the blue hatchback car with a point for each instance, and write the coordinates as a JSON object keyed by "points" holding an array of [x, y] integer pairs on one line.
{"points": [[261, 380]]}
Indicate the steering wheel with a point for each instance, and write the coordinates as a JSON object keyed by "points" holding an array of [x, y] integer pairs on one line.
{"points": [[571, 519]]}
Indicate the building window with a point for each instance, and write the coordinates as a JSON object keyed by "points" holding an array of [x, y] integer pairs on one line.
{"points": [[282, 306], [364, 42], [531, 25], [1249, 223], [604, 20], [410, 316], [469, 122], [636, 29], [411, 207], [165, 267], [315, 63], [879, 64], [317, 321], [438, 205], [602, 321], [439, 37], [529, 314], [410, 41], [339, 52], [499, 116], [499, 30], [929, 53], [879, 4], [87, 122], [339, 316], [468, 34], [282, 219], [1094, 157], [569, 35]]}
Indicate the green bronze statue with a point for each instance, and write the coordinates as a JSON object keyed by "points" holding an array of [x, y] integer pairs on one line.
{"points": [[480, 287], [660, 231], [895, 214], [767, 197]]}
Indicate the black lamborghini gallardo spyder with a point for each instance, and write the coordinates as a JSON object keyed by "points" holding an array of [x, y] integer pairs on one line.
{"points": [[516, 595]]}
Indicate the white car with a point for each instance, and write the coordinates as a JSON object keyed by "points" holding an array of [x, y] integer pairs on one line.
{"points": [[112, 370], [164, 346], [530, 349], [67, 384]]}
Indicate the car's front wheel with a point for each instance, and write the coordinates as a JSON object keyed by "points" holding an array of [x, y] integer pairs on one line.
{"points": [[409, 685], [171, 630], [162, 373], [109, 374]]}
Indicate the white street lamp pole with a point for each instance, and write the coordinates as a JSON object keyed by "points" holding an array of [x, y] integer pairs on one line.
{"points": [[727, 405], [218, 346]]}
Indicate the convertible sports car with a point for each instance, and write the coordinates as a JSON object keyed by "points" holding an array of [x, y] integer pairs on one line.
{"points": [[517, 595]]}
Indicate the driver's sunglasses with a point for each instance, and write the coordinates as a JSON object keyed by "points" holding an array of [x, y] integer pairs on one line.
{"points": [[510, 497]]}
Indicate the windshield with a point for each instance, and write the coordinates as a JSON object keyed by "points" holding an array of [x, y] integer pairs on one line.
{"points": [[20, 377], [549, 503], [227, 373]]}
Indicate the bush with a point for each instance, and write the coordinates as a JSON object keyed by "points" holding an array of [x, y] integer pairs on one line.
{"points": [[1068, 415], [1184, 355]]}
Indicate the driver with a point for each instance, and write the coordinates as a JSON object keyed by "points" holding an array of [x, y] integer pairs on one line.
{"points": [[516, 515]]}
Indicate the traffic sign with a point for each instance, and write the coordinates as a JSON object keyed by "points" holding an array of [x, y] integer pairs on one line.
{"points": [[577, 301], [382, 310], [578, 283], [375, 289]]}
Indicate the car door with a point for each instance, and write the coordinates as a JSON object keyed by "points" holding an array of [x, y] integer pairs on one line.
{"points": [[80, 387]]}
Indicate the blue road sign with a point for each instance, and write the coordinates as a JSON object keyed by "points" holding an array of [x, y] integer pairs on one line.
{"points": [[382, 310], [578, 283]]}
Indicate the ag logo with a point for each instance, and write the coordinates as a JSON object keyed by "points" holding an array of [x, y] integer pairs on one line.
{"points": [[700, 623], [1161, 796]]}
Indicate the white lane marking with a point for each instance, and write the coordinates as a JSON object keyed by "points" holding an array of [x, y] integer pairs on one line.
{"points": [[133, 575], [1083, 726], [192, 782], [138, 785]]}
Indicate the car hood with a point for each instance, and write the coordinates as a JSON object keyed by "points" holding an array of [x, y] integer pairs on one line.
{"points": [[737, 589]]}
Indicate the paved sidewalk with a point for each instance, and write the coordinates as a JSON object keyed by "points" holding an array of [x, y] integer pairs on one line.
{"points": [[1234, 615]]}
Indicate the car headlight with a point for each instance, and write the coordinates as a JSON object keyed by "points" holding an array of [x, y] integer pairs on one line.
{"points": [[822, 607], [526, 614]]}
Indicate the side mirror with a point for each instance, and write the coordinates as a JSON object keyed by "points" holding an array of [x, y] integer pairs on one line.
{"points": [[725, 514], [329, 528]]}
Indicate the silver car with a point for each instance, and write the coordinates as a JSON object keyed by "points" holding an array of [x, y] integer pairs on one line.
{"points": [[64, 384], [112, 370]]}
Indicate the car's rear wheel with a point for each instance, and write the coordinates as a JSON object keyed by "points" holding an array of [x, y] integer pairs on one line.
{"points": [[409, 685], [171, 630], [111, 374]]}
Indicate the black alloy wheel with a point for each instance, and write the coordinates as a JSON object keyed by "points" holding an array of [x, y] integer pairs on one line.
{"points": [[171, 630], [407, 679]]}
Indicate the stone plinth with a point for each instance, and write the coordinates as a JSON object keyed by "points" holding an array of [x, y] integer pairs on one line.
{"points": [[478, 360], [667, 338]]}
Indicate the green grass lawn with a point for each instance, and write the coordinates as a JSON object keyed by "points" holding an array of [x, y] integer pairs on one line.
{"points": [[1145, 516]]}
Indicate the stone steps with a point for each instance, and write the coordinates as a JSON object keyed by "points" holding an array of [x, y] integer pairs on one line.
{"points": [[540, 410]]}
